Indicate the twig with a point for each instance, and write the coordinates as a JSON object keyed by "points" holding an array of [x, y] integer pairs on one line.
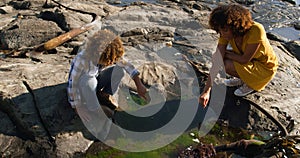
{"points": [[51, 44], [278, 123], [54, 42], [76, 10], [51, 139], [198, 67]]}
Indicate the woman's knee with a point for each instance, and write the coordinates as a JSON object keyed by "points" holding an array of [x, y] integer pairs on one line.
{"points": [[229, 67]]}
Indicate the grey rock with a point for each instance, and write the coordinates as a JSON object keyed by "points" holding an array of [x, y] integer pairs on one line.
{"points": [[6, 9], [28, 32], [294, 48], [19, 5]]}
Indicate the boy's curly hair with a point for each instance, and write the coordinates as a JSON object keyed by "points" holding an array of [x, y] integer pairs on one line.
{"points": [[112, 53], [108, 45], [234, 16]]}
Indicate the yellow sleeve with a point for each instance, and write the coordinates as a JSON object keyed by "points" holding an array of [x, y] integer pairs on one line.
{"points": [[222, 41], [256, 34]]}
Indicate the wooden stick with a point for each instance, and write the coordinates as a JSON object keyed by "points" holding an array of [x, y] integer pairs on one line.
{"points": [[51, 44]]}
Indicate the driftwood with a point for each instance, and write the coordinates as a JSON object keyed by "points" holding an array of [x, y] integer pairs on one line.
{"points": [[51, 44], [200, 69], [51, 139]]}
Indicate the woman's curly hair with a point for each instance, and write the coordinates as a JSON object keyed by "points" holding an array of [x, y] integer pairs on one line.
{"points": [[234, 16], [108, 45]]}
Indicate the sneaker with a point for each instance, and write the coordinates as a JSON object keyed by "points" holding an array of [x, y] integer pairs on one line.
{"points": [[243, 91], [233, 82]]}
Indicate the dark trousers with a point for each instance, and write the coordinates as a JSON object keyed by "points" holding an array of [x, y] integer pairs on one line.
{"points": [[108, 83], [109, 79]]}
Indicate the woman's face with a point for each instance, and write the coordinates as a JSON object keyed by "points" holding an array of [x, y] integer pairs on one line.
{"points": [[226, 33]]}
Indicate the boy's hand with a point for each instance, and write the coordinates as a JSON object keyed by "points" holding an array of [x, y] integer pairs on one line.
{"points": [[142, 90]]}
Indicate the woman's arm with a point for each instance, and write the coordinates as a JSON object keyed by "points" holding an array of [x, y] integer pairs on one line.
{"points": [[245, 57], [205, 95], [217, 63]]}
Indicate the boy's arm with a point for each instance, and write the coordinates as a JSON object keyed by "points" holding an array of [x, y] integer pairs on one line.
{"points": [[134, 74]]}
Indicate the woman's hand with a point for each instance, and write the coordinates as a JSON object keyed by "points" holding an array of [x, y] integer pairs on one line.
{"points": [[228, 53], [204, 98]]}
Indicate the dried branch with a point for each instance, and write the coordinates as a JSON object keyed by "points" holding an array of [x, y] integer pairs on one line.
{"points": [[51, 44], [76, 10]]}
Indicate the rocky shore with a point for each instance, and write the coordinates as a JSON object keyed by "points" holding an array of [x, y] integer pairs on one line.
{"points": [[36, 119]]}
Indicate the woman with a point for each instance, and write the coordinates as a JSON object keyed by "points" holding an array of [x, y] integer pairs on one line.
{"points": [[252, 61], [98, 69]]}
